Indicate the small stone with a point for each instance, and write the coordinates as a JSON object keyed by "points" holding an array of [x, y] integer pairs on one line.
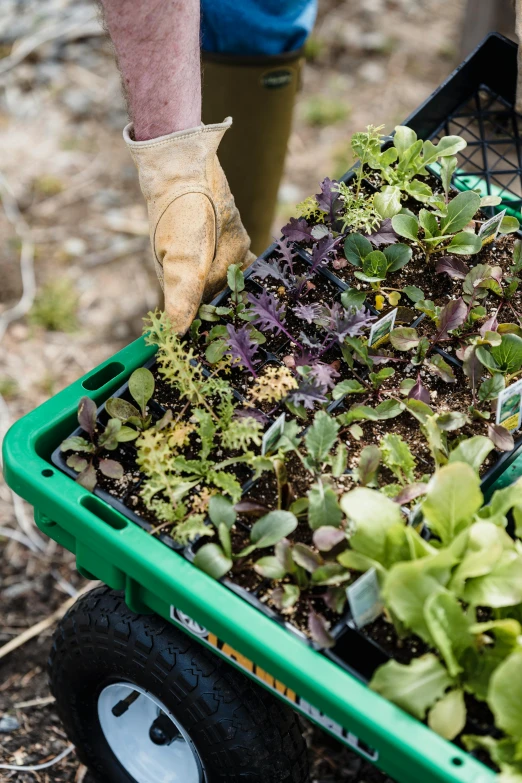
{"points": [[77, 101], [289, 193], [8, 723], [75, 247], [374, 41], [372, 72]]}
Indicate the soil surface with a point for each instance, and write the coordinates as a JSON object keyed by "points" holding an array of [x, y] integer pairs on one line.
{"points": [[61, 116]]}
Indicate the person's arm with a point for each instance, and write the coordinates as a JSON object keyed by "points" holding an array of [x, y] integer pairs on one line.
{"points": [[195, 228], [158, 53]]}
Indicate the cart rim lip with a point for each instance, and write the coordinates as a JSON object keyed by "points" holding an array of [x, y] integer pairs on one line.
{"points": [[128, 738]]}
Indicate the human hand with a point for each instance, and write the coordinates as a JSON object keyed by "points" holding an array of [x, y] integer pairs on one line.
{"points": [[195, 227]]}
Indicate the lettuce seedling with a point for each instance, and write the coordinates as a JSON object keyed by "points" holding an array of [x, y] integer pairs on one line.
{"points": [[505, 357], [217, 559], [435, 592], [443, 233], [373, 266], [141, 388], [86, 459], [402, 164]]}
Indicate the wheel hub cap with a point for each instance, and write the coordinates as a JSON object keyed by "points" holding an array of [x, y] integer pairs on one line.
{"points": [[145, 737]]}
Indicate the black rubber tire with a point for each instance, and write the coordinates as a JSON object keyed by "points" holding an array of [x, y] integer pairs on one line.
{"points": [[242, 733]]}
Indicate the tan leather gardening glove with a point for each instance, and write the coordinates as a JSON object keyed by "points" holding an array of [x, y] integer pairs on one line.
{"points": [[195, 228]]}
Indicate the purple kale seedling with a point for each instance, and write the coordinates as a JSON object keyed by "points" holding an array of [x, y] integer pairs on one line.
{"points": [[268, 314], [328, 199], [298, 230], [241, 347]]}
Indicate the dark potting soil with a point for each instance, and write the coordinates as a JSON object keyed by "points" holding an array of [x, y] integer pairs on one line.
{"points": [[310, 600], [417, 272], [383, 633], [443, 397], [120, 488]]}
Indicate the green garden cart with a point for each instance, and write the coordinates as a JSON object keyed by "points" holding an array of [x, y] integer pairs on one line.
{"points": [[164, 675]]}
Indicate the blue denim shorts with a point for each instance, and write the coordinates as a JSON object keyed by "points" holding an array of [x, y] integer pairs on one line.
{"points": [[252, 27]]}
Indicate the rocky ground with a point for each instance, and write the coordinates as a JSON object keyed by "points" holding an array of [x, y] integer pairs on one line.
{"points": [[74, 263]]}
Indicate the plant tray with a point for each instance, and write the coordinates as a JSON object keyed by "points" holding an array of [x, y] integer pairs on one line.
{"points": [[112, 543], [477, 103]]}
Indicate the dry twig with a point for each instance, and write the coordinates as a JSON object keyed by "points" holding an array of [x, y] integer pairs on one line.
{"points": [[37, 629]]}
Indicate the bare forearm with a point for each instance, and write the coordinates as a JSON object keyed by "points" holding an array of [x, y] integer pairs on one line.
{"points": [[158, 51]]}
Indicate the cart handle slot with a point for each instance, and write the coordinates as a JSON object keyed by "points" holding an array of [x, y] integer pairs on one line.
{"points": [[104, 512], [103, 376]]}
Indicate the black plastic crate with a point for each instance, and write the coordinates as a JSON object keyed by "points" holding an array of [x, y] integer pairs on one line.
{"points": [[477, 102]]}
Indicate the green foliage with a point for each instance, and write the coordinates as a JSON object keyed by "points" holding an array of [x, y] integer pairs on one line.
{"points": [[8, 387], [396, 455], [170, 476], [435, 234], [388, 409], [433, 591], [177, 364], [141, 388], [271, 529], [505, 358], [358, 211], [323, 507], [414, 687], [55, 306], [402, 164], [310, 210], [321, 111], [375, 264], [320, 439]]}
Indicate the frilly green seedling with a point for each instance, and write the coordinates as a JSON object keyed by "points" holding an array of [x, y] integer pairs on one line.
{"points": [[171, 476]]}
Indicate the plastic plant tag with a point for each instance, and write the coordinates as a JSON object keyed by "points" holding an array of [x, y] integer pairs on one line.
{"points": [[381, 329], [509, 406], [489, 230], [273, 434], [364, 598]]}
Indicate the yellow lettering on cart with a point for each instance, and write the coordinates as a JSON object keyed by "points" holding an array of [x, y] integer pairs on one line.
{"points": [[264, 676], [227, 650], [247, 664], [281, 687]]}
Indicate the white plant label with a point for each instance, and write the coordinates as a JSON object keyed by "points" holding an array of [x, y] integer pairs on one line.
{"points": [[489, 229], [273, 434], [380, 330], [364, 598], [509, 407]]}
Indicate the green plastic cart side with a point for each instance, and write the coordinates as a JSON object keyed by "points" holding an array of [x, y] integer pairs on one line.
{"points": [[114, 550]]}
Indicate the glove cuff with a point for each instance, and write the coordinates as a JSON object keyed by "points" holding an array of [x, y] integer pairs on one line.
{"points": [[220, 127]]}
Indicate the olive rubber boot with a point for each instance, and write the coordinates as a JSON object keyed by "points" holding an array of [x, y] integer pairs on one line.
{"points": [[258, 93]]}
